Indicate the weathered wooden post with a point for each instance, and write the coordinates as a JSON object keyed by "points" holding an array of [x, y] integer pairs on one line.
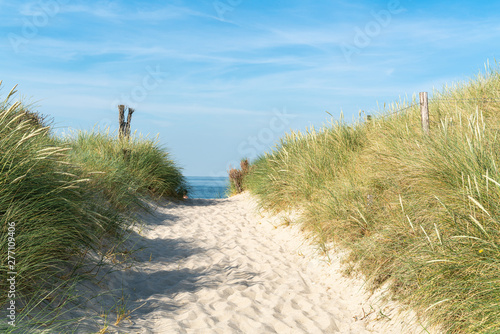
{"points": [[424, 110], [124, 127], [129, 119], [121, 121], [124, 130]]}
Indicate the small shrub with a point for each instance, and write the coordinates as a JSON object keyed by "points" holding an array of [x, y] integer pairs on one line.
{"points": [[237, 176]]}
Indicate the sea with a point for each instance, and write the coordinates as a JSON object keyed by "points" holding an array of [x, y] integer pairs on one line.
{"points": [[207, 187]]}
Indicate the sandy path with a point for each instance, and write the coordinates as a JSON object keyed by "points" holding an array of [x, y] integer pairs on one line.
{"points": [[216, 266]]}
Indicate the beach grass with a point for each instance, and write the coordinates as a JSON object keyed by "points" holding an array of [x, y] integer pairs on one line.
{"points": [[59, 197], [124, 171], [417, 213]]}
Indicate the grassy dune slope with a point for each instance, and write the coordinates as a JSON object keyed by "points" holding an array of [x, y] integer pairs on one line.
{"points": [[64, 196], [418, 212]]}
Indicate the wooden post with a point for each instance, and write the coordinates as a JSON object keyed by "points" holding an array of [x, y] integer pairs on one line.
{"points": [[121, 121], [124, 130], [424, 109], [129, 119], [124, 127]]}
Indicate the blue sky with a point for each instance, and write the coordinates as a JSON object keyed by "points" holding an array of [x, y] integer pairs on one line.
{"points": [[222, 80]]}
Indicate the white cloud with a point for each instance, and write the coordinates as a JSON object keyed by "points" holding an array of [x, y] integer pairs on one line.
{"points": [[445, 32], [115, 11]]}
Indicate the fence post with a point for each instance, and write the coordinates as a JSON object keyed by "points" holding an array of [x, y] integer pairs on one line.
{"points": [[124, 127], [129, 119], [424, 110], [121, 121]]}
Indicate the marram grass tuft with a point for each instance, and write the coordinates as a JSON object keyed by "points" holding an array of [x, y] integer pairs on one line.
{"points": [[417, 212], [59, 198]]}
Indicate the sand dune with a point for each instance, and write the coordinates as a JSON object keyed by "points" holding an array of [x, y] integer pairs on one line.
{"points": [[218, 266]]}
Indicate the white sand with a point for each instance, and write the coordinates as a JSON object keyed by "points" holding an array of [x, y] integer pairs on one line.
{"points": [[217, 266]]}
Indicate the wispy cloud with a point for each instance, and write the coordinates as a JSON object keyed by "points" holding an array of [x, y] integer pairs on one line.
{"points": [[263, 56], [110, 10]]}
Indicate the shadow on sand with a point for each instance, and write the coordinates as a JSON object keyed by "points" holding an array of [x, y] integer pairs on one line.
{"points": [[157, 279]]}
